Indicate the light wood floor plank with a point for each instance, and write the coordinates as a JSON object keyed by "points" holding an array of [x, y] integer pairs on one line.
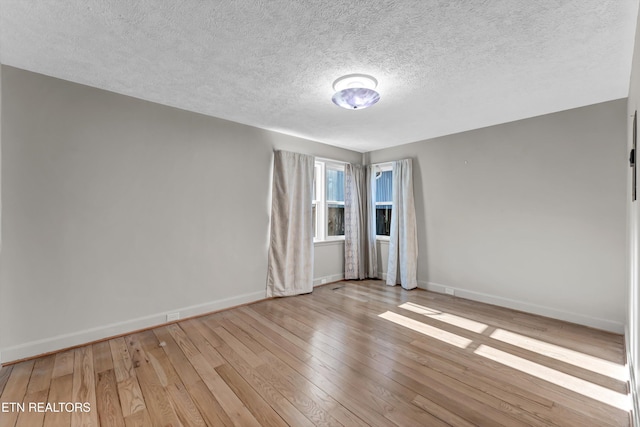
{"points": [[121, 359], [186, 409], [33, 417], [353, 353], [390, 398], [5, 372], [204, 340], [304, 395], [14, 392], [102, 358], [296, 373], [259, 408], [186, 377], [233, 407], [445, 415], [139, 419], [326, 356], [190, 334], [267, 391], [37, 392], [209, 407], [109, 408], [63, 364], [157, 401], [129, 392], [84, 388], [348, 396], [176, 360], [238, 347], [41, 374], [61, 391]]}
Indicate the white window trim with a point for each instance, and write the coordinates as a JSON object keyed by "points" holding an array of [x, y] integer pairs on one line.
{"points": [[336, 242]]}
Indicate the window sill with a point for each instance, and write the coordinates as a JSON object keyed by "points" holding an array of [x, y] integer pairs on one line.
{"points": [[335, 242], [382, 239]]}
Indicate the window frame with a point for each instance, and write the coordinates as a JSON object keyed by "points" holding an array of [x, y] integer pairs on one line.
{"points": [[321, 203], [384, 167]]}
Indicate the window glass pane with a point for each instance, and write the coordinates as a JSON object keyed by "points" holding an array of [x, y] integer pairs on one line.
{"points": [[384, 187], [335, 219], [384, 199], [383, 220], [335, 185]]}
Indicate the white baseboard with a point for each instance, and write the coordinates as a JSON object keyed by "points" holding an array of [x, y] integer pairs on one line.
{"points": [[581, 319], [35, 348], [328, 279]]}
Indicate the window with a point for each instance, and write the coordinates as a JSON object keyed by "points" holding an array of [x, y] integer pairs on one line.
{"points": [[384, 199], [328, 201], [335, 200]]}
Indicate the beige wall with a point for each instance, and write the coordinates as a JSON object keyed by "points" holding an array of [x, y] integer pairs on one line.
{"points": [[118, 211], [529, 214]]}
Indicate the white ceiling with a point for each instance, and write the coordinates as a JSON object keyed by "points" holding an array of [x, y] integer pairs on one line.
{"points": [[443, 66]]}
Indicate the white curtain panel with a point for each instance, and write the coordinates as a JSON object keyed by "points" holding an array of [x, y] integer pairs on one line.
{"points": [[291, 246], [355, 222], [371, 245], [403, 242]]}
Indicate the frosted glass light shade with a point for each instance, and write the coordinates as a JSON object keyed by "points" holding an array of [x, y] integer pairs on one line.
{"points": [[355, 98], [355, 91]]}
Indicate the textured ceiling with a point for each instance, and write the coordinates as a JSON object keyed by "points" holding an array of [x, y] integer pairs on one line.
{"points": [[443, 66]]}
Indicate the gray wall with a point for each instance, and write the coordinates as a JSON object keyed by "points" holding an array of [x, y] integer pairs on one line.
{"points": [[119, 210], [3, 297], [529, 214], [633, 317], [328, 265]]}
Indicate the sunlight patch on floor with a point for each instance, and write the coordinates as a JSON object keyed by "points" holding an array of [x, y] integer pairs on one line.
{"points": [[576, 358], [452, 319], [428, 330], [578, 385]]}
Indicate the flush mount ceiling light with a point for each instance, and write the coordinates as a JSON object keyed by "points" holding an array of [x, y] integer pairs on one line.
{"points": [[355, 92]]}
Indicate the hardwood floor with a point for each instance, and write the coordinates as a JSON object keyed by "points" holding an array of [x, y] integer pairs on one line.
{"points": [[351, 354]]}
